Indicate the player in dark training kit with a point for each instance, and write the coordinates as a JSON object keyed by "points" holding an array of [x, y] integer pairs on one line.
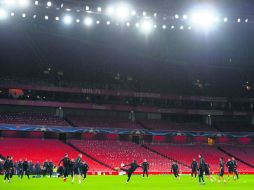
{"points": [[77, 168], [175, 170], [235, 168], [84, 169], [131, 170], [194, 168], [201, 170], [51, 168], [25, 169], [6, 167], [45, 168], [66, 165], [208, 173], [230, 167], [11, 166], [221, 172], [145, 166]]}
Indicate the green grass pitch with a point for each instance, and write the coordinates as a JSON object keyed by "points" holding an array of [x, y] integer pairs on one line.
{"points": [[156, 182]]}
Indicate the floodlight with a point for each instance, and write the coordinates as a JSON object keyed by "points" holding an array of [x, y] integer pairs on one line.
{"points": [[88, 21], [24, 3], [49, 4], [3, 14], [67, 19], [146, 26]]}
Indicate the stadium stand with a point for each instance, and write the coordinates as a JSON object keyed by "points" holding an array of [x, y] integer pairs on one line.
{"points": [[185, 154], [42, 149], [93, 122], [115, 153], [166, 125], [244, 153], [31, 119]]}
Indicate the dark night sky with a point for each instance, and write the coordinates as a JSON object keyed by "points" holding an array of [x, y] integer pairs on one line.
{"points": [[164, 61]]}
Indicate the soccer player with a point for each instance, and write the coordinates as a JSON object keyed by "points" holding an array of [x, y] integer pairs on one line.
{"points": [[11, 167], [208, 174], [25, 169], [6, 167], [201, 170], [230, 167], [145, 166], [77, 168], [45, 168], [85, 168], [235, 168], [221, 172], [175, 170], [131, 169], [194, 168], [50, 168], [37, 169], [31, 167], [66, 165], [20, 168]]}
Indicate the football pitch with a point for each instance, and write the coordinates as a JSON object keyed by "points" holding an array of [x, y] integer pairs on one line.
{"points": [[156, 182]]}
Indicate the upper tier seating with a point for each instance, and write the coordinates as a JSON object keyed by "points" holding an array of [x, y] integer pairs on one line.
{"points": [[166, 125], [31, 119], [97, 122]]}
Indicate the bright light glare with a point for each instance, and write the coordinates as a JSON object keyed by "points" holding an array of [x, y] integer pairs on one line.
{"points": [[99, 9], [88, 21], [49, 4], [123, 11], [204, 19], [67, 19], [3, 14], [146, 26], [110, 10], [24, 3], [9, 2], [36, 2]]}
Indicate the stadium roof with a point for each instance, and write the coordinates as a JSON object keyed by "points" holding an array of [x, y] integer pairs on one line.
{"points": [[218, 62]]}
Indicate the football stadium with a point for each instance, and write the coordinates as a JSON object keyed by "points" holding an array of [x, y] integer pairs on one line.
{"points": [[126, 94]]}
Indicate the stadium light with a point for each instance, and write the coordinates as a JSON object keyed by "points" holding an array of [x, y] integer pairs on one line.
{"points": [[36, 2], [49, 3], [24, 3], [99, 9], [225, 19], [144, 13], [77, 21], [9, 3], [176, 16], [88, 21], [246, 20], [238, 20], [3, 14], [110, 10], [164, 27], [67, 19], [181, 27], [98, 22], [12, 14], [108, 22], [46, 17], [23, 15], [185, 17], [123, 12], [87, 8], [172, 27], [57, 18], [203, 19], [133, 13], [146, 26]]}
